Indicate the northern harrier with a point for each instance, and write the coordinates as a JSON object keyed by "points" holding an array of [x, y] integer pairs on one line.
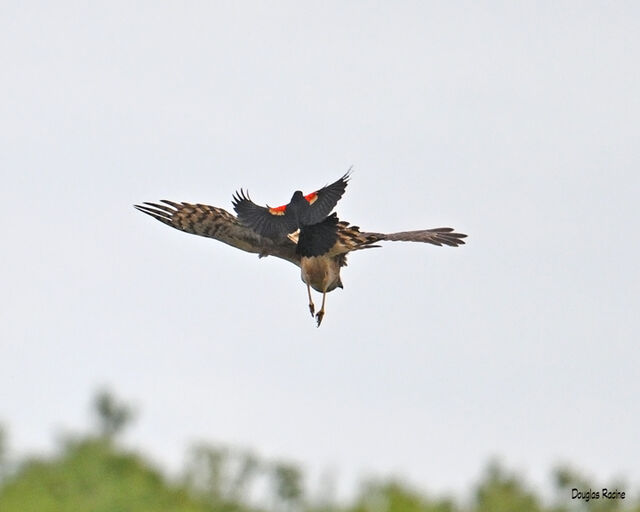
{"points": [[319, 249]]}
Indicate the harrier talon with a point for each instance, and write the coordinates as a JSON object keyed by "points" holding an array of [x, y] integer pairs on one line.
{"points": [[312, 308], [319, 317]]}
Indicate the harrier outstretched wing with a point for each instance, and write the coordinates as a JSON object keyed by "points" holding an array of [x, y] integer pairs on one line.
{"points": [[213, 222], [435, 236], [335, 237]]}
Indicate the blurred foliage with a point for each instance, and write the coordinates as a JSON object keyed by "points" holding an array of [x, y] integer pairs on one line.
{"points": [[288, 486], [3, 452], [94, 473], [111, 415], [500, 492], [394, 496], [221, 477]]}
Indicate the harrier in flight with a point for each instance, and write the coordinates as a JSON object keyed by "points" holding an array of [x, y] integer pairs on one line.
{"points": [[301, 232]]}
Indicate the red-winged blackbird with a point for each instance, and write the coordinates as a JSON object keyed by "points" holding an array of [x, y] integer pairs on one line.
{"points": [[277, 223], [320, 267]]}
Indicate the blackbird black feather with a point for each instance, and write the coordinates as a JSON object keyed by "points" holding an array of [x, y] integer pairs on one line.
{"points": [[318, 239]]}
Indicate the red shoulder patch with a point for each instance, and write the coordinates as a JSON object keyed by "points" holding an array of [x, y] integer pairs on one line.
{"points": [[278, 211], [311, 198]]}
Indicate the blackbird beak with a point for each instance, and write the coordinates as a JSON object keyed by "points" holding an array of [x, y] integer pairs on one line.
{"points": [[294, 236]]}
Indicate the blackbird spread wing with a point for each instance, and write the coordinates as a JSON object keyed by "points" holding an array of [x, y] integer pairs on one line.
{"points": [[323, 201], [213, 222], [277, 223], [273, 223]]}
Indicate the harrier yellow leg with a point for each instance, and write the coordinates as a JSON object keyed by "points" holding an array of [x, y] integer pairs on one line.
{"points": [[312, 308], [320, 314]]}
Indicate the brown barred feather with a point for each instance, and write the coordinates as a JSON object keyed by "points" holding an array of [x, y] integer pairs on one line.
{"points": [[212, 222], [435, 236]]}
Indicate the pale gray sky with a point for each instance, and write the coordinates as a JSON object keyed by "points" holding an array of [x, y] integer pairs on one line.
{"points": [[517, 123]]}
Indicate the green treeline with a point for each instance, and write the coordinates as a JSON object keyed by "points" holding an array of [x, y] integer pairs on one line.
{"points": [[93, 473]]}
